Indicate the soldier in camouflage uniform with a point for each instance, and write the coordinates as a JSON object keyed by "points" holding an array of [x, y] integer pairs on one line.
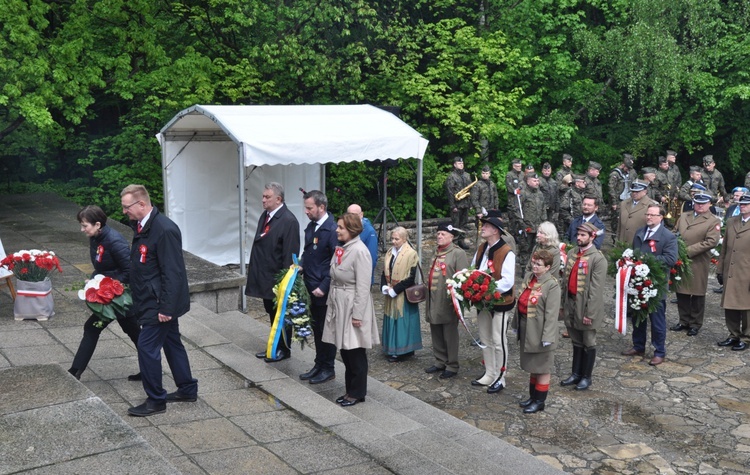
{"points": [[566, 200], [532, 213], [549, 187], [714, 180], [619, 188], [457, 181], [593, 184], [675, 177], [567, 163], [649, 176], [662, 181], [484, 193], [695, 177], [513, 185]]}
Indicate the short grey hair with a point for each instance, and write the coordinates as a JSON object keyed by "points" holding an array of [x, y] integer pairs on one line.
{"points": [[277, 189]]}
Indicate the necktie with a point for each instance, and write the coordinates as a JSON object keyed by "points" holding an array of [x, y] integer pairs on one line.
{"points": [[648, 235], [140, 228], [573, 277]]}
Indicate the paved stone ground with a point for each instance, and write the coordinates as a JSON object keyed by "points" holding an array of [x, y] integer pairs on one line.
{"points": [[689, 415]]}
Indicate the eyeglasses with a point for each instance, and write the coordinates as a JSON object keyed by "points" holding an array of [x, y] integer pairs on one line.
{"points": [[127, 208], [538, 264], [652, 215]]}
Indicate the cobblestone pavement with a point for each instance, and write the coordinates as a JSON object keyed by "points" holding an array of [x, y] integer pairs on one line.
{"points": [[689, 415]]}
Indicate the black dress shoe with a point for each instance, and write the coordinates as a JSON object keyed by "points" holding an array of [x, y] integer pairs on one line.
{"points": [[674, 300], [433, 369], [145, 410], [393, 358], [310, 374], [340, 399], [729, 342], [495, 387], [475, 382], [692, 332], [719, 290], [349, 401], [177, 397], [280, 355], [323, 376], [135, 377], [679, 327], [447, 374], [260, 355], [740, 346]]}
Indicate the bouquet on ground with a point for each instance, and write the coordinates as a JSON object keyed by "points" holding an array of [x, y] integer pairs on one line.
{"points": [[474, 288], [297, 316], [682, 271], [640, 278], [33, 265], [106, 297]]}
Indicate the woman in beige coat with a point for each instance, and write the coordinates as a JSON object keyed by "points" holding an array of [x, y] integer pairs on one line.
{"points": [[350, 319]]}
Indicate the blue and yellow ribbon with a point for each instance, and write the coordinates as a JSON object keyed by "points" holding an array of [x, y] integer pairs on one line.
{"points": [[285, 288]]}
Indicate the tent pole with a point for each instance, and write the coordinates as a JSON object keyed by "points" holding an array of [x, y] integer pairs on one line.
{"points": [[243, 223], [419, 207]]}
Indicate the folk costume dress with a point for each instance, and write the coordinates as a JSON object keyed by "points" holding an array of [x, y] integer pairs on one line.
{"points": [[401, 329], [536, 322]]}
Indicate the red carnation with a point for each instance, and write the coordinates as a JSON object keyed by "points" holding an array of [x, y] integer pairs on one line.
{"points": [[648, 283], [488, 297], [475, 287], [467, 295], [485, 287], [644, 305], [678, 263], [638, 288], [496, 295], [673, 271]]}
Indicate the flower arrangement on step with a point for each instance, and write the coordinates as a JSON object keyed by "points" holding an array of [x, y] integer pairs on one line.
{"points": [[297, 316], [106, 298], [33, 265]]}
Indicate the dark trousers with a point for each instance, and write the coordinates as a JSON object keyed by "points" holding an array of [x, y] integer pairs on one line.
{"points": [[325, 353], [460, 218], [737, 323], [285, 344], [152, 340], [355, 376], [91, 337], [658, 331], [691, 309]]}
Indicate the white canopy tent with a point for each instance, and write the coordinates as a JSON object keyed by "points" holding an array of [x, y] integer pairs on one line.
{"points": [[208, 151]]}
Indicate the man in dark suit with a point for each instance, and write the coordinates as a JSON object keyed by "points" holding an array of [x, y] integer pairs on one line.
{"points": [[158, 281], [276, 240], [320, 244], [659, 241], [589, 206]]}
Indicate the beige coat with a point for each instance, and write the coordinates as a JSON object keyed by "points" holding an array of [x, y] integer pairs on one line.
{"points": [[701, 234], [349, 298], [632, 218], [554, 270], [734, 263]]}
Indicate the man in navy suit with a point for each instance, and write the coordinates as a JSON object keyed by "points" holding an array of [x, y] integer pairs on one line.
{"points": [[589, 206], [276, 239], [320, 245], [659, 241]]}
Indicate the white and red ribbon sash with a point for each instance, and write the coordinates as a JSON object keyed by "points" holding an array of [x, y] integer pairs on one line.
{"points": [[621, 299], [33, 293], [460, 315]]}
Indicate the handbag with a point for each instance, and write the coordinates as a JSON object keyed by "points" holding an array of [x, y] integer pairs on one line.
{"points": [[417, 292]]}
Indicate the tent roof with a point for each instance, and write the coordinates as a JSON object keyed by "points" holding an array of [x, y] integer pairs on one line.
{"points": [[305, 134]]}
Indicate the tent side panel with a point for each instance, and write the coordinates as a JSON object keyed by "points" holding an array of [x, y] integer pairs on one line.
{"points": [[203, 198]]}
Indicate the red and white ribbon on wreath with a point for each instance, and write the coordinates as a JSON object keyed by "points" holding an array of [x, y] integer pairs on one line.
{"points": [[460, 315], [621, 298]]}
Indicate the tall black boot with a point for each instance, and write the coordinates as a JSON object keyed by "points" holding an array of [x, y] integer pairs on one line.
{"points": [[588, 368], [532, 395], [538, 404], [575, 377]]}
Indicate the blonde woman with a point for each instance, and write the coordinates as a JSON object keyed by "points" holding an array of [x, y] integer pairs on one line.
{"points": [[401, 330]]}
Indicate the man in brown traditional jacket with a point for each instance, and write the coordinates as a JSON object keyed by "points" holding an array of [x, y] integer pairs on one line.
{"points": [[701, 231], [583, 297]]}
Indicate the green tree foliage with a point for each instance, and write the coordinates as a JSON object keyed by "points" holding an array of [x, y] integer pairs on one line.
{"points": [[85, 84]]}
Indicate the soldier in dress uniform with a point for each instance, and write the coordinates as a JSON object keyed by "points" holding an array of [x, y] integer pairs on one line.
{"points": [[633, 212], [619, 185], [734, 261], [701, 232], [457, 180], [532, 213], [714, 180]]}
